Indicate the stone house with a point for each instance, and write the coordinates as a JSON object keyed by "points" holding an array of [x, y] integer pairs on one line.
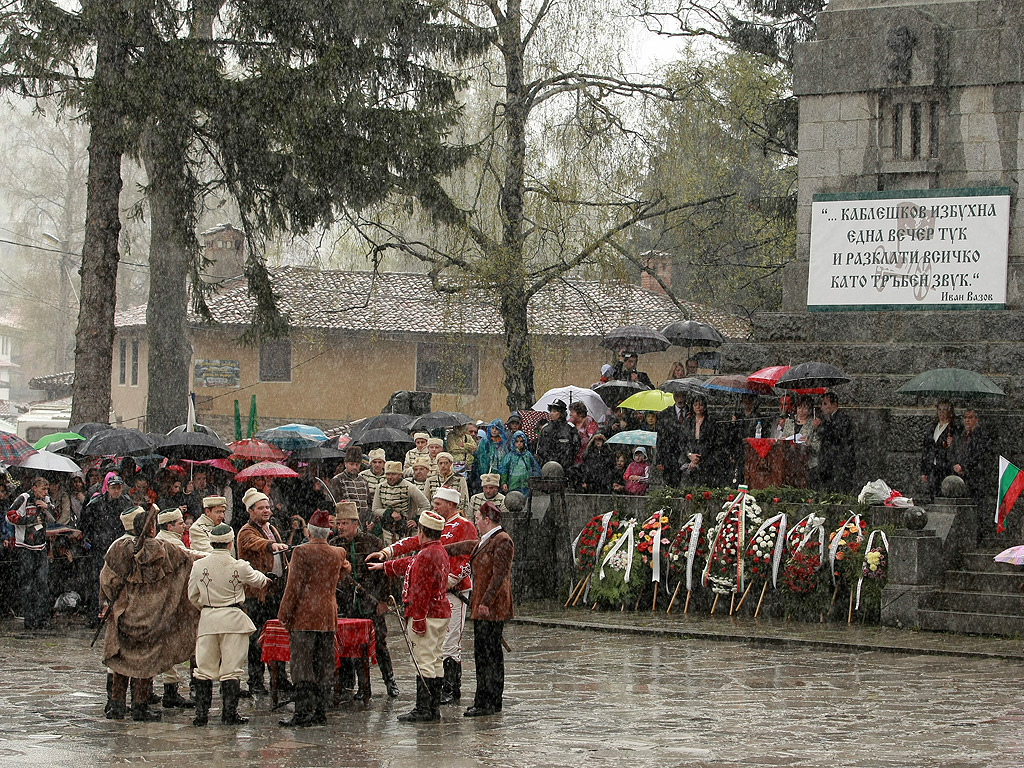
{"points": [[356, 337]]}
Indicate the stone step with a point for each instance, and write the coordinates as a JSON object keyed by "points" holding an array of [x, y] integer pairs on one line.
{"points": [[965, 623], [983, 562], [975, 602], [978, 581]]}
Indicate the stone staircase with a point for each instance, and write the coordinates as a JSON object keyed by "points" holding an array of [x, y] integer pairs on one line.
{"points": [[982, 597]]}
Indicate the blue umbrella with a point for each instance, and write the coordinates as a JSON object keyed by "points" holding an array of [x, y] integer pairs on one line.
{"points": [[303, 429], [635, 437]]}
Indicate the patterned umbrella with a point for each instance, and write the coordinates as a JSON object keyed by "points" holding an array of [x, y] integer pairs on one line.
{"points": [[14, 450], [635, 437], [266, 469], [288, 440], [303, 429], [251, 449]]}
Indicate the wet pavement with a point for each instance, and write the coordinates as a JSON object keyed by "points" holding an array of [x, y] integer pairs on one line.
{"points": [[574, 697]]}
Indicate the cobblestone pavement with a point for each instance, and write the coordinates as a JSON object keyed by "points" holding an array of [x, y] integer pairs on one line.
{"points": [[573, 698]]}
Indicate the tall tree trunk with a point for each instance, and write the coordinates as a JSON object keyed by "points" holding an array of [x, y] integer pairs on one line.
{"points": [[170, 352], [518, 362], [94, 337]]}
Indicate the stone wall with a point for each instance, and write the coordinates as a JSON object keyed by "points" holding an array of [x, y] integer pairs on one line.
{"points": [[957, 65]]}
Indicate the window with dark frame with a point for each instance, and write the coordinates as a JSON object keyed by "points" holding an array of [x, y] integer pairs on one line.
{"points": [[122, 362], [135, 362], [276, 360], [448, 368]]}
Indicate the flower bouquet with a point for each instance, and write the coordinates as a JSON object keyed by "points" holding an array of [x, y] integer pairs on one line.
{"points": [[586, 547], [652, 547], [726, 568], [879, 492], [618, 580], [845, 547], [803, 585], [764, 553], [874, 570], [688, 548]]}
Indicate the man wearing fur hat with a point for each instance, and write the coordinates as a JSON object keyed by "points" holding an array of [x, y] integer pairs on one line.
{"points": [[216, 586], [397, 503], [348, 485], [361, 596], [309, 612], [456, 529], [260, 544], [151, 623], [427, 611], [445, 477], [491, 492], [128, 523], [374, 475], [419, 449], [171, 528], [421, 474], [214, 510]]}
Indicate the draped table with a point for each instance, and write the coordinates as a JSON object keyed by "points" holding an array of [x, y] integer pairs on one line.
{"points": [[771, 462], [353, 639]]}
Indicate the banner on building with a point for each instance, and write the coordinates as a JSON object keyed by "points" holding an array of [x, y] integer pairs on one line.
{"points": [[218, 373], [909, 249]]}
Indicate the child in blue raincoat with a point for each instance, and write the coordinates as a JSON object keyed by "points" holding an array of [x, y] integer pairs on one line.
{"points": [[518, 467]]}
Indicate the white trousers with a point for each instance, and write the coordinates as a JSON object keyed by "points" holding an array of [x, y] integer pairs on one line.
{"points": [[452, 648], [426, 648]]}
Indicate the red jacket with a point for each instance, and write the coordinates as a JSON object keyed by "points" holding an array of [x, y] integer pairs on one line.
{"points": [[456, 529], [426, 582]]}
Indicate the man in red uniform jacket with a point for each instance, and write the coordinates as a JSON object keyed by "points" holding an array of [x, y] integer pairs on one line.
{"points": [[456, 529], [309, 612], [426, 611]]}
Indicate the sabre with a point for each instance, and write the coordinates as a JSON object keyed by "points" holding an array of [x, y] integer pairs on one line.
{"points": [[392, 605], [327, 488]]}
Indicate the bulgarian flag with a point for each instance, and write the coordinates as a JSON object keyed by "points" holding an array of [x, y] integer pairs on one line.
{"points": [[1011, 483]]}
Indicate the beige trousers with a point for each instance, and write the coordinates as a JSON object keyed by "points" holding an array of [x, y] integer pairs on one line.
{"points": [[222, 657], [426, 648]]}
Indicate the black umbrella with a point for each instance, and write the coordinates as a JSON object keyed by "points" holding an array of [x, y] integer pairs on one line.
{"points": [[318, 453], [89, 429], [810, 376], [614, 392], [635, 338], [690, 385], [195, 428], [382, 420], [384, 435], [690, 333], [437, 420], [117, 442], [194, 446]]}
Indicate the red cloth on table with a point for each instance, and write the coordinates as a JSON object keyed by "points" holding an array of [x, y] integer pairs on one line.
{"points": [[351, 635], [761, 444]]}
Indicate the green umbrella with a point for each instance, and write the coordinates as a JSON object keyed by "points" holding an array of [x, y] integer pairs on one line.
{"points": [[45, 440], [650, 400], [951, 382]]}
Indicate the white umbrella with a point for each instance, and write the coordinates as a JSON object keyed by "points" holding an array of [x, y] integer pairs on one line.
{"points": [[51, 462], [570, 394]]}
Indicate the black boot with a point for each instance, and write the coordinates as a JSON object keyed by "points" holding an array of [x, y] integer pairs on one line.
{"points": [[143, 714], [142, 698], [303, 717], [434, 686], [387, 673], [204, 695], [457, 684], [229, 703], [110, 700], [448, 682], [421, 712], [117, 711], [256, 686], [173, 699]]}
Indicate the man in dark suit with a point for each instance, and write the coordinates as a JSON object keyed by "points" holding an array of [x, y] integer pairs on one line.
{"points": [[490, 607], [673, 424], [970, 452], [837, 462]]}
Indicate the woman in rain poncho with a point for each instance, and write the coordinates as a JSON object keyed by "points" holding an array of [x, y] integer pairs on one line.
{"points": [[490, 452], [518, 467]]}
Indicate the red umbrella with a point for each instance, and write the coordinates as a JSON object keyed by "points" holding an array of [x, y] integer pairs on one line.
{"points": [[266, 469], [14, 450], [222, 464], [770, 376], [252, 449]]}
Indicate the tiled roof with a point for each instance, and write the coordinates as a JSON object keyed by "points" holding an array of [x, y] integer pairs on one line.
{"points": [[52, 381], [397, 302]]}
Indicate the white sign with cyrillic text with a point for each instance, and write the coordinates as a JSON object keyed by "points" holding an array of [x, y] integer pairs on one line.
{"points": [[912, 249]]}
